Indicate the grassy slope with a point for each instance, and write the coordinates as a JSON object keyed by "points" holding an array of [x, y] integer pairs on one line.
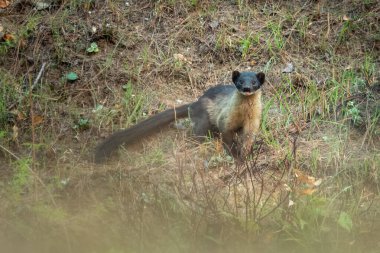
{"points": [[168, 194]]}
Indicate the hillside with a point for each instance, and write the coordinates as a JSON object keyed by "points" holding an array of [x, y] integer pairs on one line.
{"points": [[72, 72]]}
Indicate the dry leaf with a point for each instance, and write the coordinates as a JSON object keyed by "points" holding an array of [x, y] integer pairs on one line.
{"points": [[8, 37], [346, 18], [287, 188], [219, 146], [20, 116], [37, 119], [306, 179], [15, 133], [307, 191], [318, 182], [298, 127], [303, 178], [181, 57], [4, 3]]}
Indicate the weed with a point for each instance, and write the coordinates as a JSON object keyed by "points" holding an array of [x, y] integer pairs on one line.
{"points": [[8, 96], [193, 2], [82, 124], [93, 48], [133, 104], [58, 40], [176, 195], [21, 176], [302, 27], [276, 32], [369, 67], [353, 113], [345, 31], [245, 46]]}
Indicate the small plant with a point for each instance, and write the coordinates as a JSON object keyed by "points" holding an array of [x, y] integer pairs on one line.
{"points": [[133, 103], [369, 67], [8, 95], [93, 48], [245, 45], [276, 31], [345, 221], [82, 124], [71, 76], [347, 28], [193, 2], [21, 176], [302, 27], [353, 112]]}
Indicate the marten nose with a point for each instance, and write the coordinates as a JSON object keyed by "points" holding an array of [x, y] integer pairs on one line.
{"points": [[246, 89]]}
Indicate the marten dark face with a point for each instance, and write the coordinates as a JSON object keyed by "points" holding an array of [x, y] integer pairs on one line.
{"points": [[248, 82]]}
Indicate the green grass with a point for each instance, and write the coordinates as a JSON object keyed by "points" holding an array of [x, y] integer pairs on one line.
{"points": [[168, 193]]}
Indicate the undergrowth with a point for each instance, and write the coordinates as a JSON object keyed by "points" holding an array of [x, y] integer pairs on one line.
{"points": [[75, 71]]}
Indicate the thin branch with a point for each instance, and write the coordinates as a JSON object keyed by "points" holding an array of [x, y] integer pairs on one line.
{"points": [[38, 76]]}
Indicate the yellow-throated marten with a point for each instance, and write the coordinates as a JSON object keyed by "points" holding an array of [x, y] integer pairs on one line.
{"points": [[234, 111]]}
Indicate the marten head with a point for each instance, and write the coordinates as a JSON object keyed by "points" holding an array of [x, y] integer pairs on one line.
{"points": [[248, 82]]}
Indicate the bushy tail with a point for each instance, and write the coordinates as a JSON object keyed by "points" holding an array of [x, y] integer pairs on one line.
{"points": [[138, 131]]}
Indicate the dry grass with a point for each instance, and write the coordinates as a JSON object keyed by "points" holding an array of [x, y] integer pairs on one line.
{"points": [[167, 193]]}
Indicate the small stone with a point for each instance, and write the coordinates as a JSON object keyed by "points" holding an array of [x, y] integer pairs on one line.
{"points": [[41, 5], [214, 24], [289, 68]]}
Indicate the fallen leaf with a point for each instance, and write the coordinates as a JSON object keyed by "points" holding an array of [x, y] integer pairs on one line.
{"points": [[318, 182], [219, 146], [298, 127], [346, 18], [37, 119], [287, 188], [8, 37], [303, 178], [4, 3], [20, 116], [15, 133], [181, 57], [307, 191]]}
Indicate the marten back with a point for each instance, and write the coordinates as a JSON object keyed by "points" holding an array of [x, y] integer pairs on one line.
{"points": [[138, 131]]}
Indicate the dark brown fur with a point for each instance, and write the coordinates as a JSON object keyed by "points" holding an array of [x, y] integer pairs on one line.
{"points": [[138, 131], [234, 111]]}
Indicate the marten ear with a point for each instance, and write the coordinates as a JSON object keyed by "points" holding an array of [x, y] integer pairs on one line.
{"points": [[261, 77], [235, 76]]}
